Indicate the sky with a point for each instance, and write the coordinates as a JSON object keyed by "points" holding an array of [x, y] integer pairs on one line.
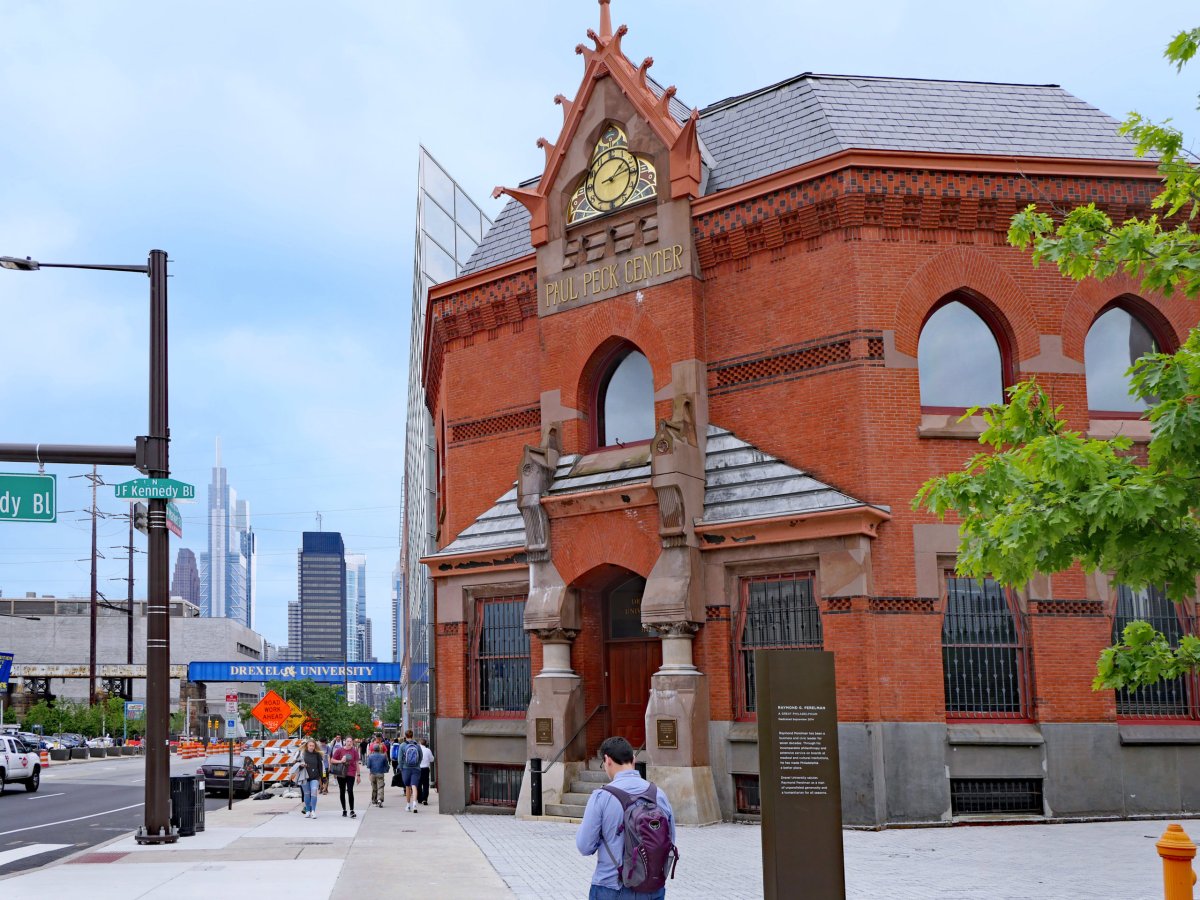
{"points": [[271, 149]]}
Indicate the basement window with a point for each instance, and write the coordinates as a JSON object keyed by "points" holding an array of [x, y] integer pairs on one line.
{"points": [[996, 796], [494, 785]]}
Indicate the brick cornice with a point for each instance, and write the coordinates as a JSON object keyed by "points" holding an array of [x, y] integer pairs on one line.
{"points": [[955, 162], [446, 289]]}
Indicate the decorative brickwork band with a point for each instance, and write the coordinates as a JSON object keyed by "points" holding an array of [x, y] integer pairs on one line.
{"points": [[520, 420], [445, 629], [716, 613], [1073, 608], [838, 605], [922, 605], [783, 363]]}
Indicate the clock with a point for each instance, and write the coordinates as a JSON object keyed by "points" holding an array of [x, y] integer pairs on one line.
{"points": [[612, 179]]}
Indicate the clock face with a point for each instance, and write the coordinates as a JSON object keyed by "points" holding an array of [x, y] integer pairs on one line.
{"points": [[612, 179]]}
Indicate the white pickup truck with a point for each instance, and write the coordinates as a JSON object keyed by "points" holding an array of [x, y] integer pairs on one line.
{"points": [[18, 764]]}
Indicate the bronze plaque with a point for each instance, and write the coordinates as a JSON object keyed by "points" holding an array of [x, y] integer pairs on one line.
{"points": [[799, 781], [668, 733], [544, 730]]}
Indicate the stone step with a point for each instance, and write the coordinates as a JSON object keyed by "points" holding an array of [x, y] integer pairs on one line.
{"points": [[576, 799], [564, 811], [596, 777], [595, 765], [585, 787]]}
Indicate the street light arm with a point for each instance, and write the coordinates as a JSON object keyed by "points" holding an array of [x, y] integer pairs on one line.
{"points": [[32, 265]]}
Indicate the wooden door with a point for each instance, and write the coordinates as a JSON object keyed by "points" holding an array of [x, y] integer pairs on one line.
{"points": [[630, 665]]}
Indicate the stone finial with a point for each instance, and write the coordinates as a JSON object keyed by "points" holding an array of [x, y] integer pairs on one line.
{"points": [[606, 30]]}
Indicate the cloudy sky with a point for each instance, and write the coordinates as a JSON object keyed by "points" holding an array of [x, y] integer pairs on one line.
{"points": [[271, 148]]}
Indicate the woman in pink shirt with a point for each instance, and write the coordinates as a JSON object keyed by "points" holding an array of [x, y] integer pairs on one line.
{"points": [[343, 765]]}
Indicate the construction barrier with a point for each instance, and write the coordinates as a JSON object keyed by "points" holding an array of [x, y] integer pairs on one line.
{"points": [[281, 774], [44, 756], [273, 743], [1177, 852]]}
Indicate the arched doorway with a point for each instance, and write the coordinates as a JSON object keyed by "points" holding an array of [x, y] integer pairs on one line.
{"points": [[630, 658]]}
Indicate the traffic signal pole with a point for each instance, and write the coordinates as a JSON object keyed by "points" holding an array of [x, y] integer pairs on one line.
{"points": [[149, 454]]}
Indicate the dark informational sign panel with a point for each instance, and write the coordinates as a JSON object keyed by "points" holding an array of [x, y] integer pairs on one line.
{"points": [[799, 782], [544, 729]]}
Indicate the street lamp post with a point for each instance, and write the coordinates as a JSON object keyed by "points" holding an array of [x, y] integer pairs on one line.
{"points": [[149, 454]]}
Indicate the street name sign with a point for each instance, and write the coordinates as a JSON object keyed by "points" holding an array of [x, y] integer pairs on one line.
{"points": [[174, 520], [272, 710], [155, 489], [25, 497]]}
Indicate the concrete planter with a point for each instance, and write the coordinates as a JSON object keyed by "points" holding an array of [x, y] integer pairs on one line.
{"points": [[79, 753], [97, 752], [129, 751], [61, 755]]}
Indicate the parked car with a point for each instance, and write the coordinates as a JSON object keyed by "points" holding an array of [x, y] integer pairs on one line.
{"points": [[245, 779], [102, 741]]}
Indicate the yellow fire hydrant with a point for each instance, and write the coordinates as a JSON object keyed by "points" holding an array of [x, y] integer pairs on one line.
{"points": [[1177, 852]]}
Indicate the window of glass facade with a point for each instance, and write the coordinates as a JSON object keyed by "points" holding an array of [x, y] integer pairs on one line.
{"points": [[1115, 342], [958, 360], [500, 663], [1167, 699], [778, 612], [625, 401], [984, 657]]}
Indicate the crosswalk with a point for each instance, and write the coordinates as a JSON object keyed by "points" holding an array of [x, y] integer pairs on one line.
{"points": [[19, 853]]}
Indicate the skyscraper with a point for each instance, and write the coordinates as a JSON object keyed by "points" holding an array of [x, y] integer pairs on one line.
{"points": [[186, 581], [449, 227], [322, 576], [229, 568], [398, 613], [356, 603]]}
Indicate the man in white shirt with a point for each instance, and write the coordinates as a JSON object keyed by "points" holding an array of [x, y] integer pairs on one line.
{"points": [[426, 769]]}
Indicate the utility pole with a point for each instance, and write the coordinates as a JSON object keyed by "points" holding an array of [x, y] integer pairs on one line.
{"points": [[96, 481]]}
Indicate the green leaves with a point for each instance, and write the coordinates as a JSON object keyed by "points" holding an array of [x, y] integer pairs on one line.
{"points": [[1144, 657]]}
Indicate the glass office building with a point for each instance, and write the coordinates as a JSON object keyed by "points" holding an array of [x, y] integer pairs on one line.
{"points": [[229, 567], [450, 226], [322, 574]]}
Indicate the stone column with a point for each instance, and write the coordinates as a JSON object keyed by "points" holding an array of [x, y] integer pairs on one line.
{"points": [[556, 701]]}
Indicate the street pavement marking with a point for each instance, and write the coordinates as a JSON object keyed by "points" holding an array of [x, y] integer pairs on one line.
{"points": [[44, 796], [76, 819], [11, 856]]}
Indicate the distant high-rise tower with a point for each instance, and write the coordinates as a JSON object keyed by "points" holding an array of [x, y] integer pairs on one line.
{"points": [[186, 581], [322, 573], [356, 602], [398, 613], [229, 569]]}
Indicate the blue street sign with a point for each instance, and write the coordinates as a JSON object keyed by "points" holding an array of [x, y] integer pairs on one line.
{"points": [[327, 672]]}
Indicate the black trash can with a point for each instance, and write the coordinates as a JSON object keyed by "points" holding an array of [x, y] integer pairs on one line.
{"points": [[200, 798], [183, 804]]}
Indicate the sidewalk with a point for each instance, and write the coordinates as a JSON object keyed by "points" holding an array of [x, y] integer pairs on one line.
{"points": [[266, 849]]}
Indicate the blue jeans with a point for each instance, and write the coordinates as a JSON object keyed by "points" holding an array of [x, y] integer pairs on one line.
{"points": [[599, 892], [309, 789]]}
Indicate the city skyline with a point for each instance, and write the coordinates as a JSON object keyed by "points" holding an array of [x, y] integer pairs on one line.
{"points": [[284, 190]]}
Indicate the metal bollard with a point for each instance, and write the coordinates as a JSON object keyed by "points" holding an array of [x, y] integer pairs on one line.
{"points": [[535, 786], [1177, 852]]}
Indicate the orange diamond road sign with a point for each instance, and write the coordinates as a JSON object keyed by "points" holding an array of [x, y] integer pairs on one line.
{"points": [[272, 710]]}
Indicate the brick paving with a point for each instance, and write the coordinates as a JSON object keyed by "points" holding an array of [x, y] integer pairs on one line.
{"points": [[538, 861]]}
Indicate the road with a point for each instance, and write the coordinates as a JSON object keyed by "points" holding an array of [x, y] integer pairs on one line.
{"points": [[78, 805]]}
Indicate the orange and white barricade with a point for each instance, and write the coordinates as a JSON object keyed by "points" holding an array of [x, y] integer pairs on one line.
{"points": [[44, 756]]}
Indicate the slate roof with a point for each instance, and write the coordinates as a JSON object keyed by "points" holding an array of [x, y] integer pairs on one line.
{"points": [[741, 484], [811, 116]]}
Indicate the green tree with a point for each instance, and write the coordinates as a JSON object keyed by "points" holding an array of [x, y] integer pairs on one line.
{"points": [[1044, 497], [393, 711]]}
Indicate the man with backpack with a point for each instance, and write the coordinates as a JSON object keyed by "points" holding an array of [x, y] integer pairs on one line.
{"points": [[629, 825], [409, 754]]}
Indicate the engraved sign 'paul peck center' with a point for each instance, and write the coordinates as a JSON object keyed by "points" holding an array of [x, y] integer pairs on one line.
{"points": [[611, 277]]}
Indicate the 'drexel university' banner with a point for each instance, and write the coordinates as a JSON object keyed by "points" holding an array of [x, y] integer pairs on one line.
{"points": [[330, 672]]}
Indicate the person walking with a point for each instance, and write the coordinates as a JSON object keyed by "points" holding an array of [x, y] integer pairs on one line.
{"points": [[344, 767], [312, 768], [377, 765], [627, 796], [324, 789], [426, 773], [410, 769]]}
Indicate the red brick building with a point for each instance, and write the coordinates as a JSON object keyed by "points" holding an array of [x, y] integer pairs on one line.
{"points": [[719, 351]]}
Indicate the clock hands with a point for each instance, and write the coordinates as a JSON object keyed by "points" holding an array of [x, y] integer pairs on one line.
{"points": [[625, 166]]}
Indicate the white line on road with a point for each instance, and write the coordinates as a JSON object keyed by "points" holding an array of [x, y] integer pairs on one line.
{"points": [[11, 856], [44, 796], [76, 819]]}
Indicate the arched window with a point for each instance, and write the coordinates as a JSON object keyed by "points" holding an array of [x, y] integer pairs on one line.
{"points": [[959, 360], [1166, 699], [625, 400], [1116, 340], [985, 666]]}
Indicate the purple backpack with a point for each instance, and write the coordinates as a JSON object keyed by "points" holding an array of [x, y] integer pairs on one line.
{"points": [[649, 857]]}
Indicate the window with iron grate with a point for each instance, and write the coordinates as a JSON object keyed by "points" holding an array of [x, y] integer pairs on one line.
{"points": [[500, 664], [746, 797], [996, 796], [1167, 699], [494, 785], [778, 612], [985, 660]]}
